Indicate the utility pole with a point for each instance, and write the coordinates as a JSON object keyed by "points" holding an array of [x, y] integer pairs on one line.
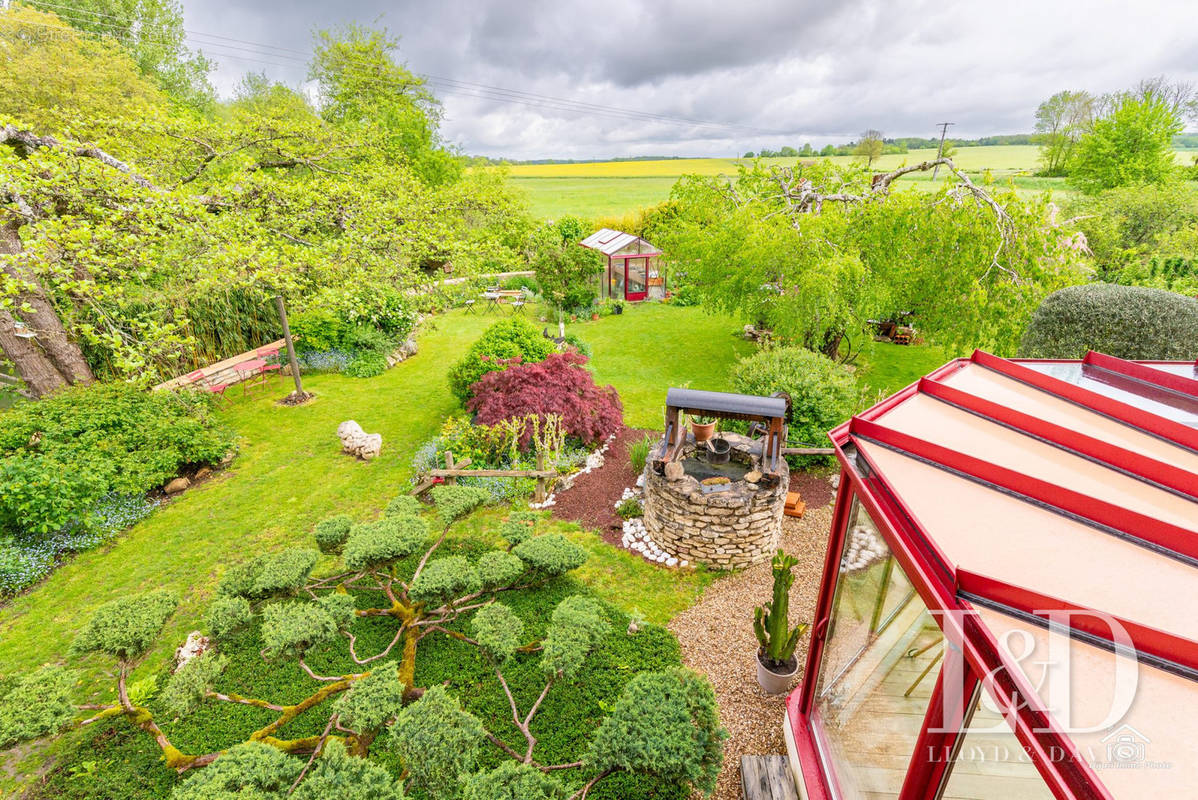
{"points": [[943, 131]]}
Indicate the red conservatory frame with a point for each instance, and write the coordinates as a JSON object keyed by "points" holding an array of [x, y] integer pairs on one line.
{"points": [[953, 593]]}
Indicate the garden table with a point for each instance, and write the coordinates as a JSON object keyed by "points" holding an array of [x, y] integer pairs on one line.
{"points": [[251, 373], [492, 299]]}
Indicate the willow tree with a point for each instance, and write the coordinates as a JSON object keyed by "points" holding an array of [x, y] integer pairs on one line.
{"points": [[815, 251], [663, 725]]}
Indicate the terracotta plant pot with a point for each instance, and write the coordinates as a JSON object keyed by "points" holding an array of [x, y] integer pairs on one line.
{"points": [[775, 682], [594, 317], [702, 431]]}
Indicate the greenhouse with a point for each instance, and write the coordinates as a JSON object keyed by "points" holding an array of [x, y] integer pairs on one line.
{"points": [[632, 266], [1005, 603]]}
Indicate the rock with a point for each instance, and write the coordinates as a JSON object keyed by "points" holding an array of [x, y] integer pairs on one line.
{"points": [[633, 627], [356, 442], [752, 477], [835, 481], [228, 458], [674, 471], [203, 472], [177, 485], [195, 645]]}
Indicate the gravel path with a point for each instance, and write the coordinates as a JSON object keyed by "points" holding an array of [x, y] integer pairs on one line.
{"points": [[716, 635]]}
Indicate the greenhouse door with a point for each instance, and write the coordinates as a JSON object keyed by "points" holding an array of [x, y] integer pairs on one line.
{"points": [[635, 279]]}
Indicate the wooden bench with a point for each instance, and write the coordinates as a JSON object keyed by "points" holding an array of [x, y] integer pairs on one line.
{"points": [[767, 778]]}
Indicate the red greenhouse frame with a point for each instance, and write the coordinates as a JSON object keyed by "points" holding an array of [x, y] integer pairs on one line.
{"points": [[982, 505]]}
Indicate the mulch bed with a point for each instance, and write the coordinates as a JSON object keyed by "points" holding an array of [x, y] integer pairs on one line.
{"points": [[591, 501]]}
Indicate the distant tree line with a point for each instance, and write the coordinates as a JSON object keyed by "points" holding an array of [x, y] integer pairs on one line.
{"points": [[897, 145]]}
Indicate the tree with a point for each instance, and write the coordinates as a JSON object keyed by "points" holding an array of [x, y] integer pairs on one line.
{"points": [[360, 84], [151, 31], [1061, 121], [435, 741], [869, 146], [807, 150], [828, 150], [565, 271], [1130, 145], [815, 251]]}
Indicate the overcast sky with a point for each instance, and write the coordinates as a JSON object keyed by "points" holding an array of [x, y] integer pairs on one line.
{"points": [[767, 73]]}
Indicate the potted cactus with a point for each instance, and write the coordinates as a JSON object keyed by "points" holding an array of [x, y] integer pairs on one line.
{"points": [[776, 662]]}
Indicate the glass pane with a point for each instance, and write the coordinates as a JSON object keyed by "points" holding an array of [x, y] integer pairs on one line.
{"points": [[617, 279], [881, 660], [636, 275], [991, 764]]}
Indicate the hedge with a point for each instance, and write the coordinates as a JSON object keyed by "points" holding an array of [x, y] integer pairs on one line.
{"points": [[1123, 321]]}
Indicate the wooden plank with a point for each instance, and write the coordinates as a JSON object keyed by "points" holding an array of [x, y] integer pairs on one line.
{"points": [[808, 451], [423, 487], [491, 473], [766, 778]]}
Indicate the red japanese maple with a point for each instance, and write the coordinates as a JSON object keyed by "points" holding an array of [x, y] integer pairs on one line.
{"points": [[557, 385]]}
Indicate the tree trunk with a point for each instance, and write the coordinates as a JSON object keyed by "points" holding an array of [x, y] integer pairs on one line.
{"points": [[51, 360]]}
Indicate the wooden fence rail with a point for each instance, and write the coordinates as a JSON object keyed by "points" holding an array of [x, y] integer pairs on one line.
{"points": [[454, 470]]}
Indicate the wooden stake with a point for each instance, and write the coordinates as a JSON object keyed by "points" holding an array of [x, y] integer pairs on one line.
{"points": [[295, 371], [540, 495]]}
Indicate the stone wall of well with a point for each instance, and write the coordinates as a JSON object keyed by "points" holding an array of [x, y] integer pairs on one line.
{"points": [[726, 530]]}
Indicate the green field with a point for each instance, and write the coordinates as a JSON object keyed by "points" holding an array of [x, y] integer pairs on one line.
{"points": [[613, 188]]}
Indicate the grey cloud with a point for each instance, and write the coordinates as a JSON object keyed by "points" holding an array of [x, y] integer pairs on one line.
{"points": [[817, 70]]}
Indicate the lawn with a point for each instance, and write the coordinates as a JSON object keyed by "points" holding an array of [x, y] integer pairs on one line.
{"points": [[290, 474]]}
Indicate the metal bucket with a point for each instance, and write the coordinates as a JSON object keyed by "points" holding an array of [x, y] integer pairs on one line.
{"points": [[718, 450]]}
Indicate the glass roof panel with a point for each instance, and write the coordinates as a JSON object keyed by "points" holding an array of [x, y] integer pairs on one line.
{"points": [[1162, 402]]}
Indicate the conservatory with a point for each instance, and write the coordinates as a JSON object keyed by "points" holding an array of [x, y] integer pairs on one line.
{"points": [[1008, 600], [633, 269]]}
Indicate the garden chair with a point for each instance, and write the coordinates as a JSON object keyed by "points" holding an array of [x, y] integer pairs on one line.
{"points": [[470, 306], [199, 381], [266, 354]]}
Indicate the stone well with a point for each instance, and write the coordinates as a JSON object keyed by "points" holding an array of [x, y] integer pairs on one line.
{"points": [[727, 529]]}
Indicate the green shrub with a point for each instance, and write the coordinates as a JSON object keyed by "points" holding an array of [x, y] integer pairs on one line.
{"points": [[337, 775], [437, 741], [498, 630], [316, 330], [227, 614], [550, 554], [578, 344], [823, 394], [366, 364], [125, 627], [331, 533], [444, 579], [512, 781], [251, 770], [577, 626], [664, 724], [455, 502], [374, 544], [61, 455], [403, 506], [292, 628], [513, 531], [1123, 321], [371, 701], [630, 509], [39, 703], [511, 338], [186, 687], [497, 569], [269, 574]]}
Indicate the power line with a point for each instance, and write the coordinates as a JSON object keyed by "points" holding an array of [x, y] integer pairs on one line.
{"points": [[454, 86]]}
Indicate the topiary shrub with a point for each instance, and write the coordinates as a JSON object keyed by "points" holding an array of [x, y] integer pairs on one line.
{"points": [[186, 688], [455, 502], [403, 506], [337, 775], [292, 628], [437, 741], [269, 574], [550, 554], [372, 544], [249, 770], [577, 626], [39, 703], [1124, 321], [512, 781], [498, 568], [127, 626], [822, 393], [664, 724], [331, 533], [444, 579], [558, 385], [227, 614], [372, 701], [513, 338], [498, 631]]}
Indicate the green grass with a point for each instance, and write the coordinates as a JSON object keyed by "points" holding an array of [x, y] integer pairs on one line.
{"points": [[590, 198], [884, 368], [291, 474]]}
